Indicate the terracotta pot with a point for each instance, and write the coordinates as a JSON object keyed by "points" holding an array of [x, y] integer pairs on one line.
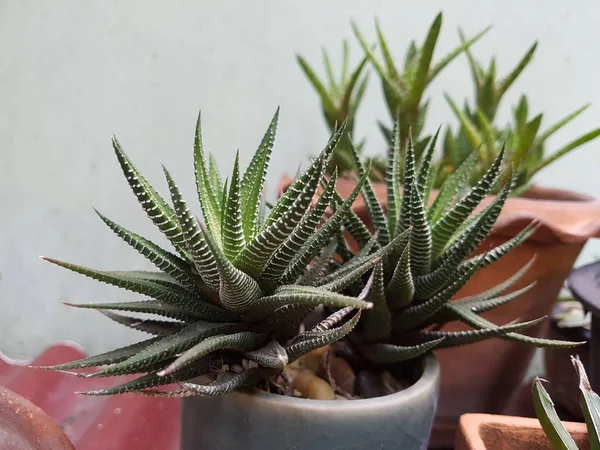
{"points": [[256, 420], [24, 426], [490, 432], [481, 377]]}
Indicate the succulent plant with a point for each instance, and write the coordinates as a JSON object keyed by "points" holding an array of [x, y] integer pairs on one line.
{"points": [[554, 429], [340, 100], [411, 288], [524, 139], [404, 89], [233, 294]]}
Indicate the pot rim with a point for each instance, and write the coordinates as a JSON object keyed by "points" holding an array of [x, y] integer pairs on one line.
{"points": [[429, 380]]}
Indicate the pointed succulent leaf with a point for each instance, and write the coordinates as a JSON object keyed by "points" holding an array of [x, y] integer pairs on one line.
{"points": [[392, 179], [505, 83], [423, 174], [106, 358], [168, 347], [404, 221], [378, 320], [392, 354], [494, 302], [470, 129], [232, 230], [253, 181], [229, 382], [328, 104], [161, 214], [451, 187], [151, 326], [360, 258], [421, 78], [256, 255], [498, 252], [437, 68], [172, 294], [303, 295], [241, 342], [590, 404], [202, 258], [566, 149], [374, 208], [271, 355], [237, 290], [417, 314], [446, 267], [321, 236], [400, 290], [209, 202], [447, 225], [459, 338], [348, 275], [162, 259], [298, 185], [317, 267], [215, 177], [420, 236], [282, 257], [320, 339], [553, 428], [352, 223], [476, 321], [151, 380], [147, 307], [497, 289], [561, 123]]}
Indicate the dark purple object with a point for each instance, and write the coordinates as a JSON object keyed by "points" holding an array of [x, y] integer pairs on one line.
{"points": [[584, 284]]}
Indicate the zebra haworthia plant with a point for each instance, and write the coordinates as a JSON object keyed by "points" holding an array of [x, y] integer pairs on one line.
{"points": [[229, 296], [412, 287]]}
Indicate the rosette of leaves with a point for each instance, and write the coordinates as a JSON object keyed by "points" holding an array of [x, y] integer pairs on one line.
{"points": [[524, 138], [228, 296], [340, 101], [411, 288], [404, 88]]}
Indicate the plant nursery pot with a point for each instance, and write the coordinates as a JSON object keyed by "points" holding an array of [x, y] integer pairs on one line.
{"points": [[491, 432], [256, 420], [24, 426], [481, 377]]}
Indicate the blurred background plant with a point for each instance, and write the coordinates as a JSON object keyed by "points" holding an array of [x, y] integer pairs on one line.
{"points": [[524, 138], [403, 91]]}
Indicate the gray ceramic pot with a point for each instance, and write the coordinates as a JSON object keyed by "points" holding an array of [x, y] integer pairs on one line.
{"points": [[256, 420]]}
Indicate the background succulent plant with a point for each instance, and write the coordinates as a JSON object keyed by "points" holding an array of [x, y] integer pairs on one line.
{"points": [[340, 101], [229, 298], [411, 288], [526, 142], [554, 429], [403, 91]]}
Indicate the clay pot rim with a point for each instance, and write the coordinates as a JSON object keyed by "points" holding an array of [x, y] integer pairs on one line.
{"points": [[470, 426], [427, 382]]}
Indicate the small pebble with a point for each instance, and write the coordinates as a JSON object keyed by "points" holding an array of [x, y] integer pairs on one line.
{"points": [[369, 385], [342, 374], [312, 386]]}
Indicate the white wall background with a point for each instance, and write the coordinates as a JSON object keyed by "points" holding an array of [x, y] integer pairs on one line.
{"points": [[73, 72]]}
